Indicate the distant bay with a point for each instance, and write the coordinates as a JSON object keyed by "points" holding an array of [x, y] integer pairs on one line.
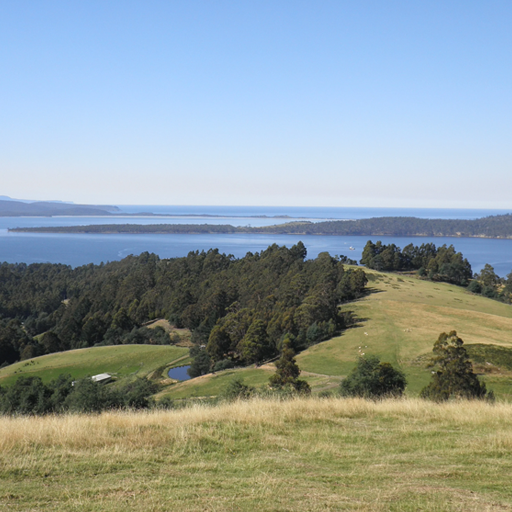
{"points": [[81, 249]]}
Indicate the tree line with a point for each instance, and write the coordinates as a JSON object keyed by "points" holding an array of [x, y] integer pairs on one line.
{"points": [[437, 263], [30, 395]]}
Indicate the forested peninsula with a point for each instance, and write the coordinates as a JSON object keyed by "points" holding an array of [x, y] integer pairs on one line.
{"points": [[496, 226]]}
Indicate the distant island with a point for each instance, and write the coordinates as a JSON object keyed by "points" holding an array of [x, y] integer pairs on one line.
{"points": [[15, 208], [24, 208], [495, 226]]}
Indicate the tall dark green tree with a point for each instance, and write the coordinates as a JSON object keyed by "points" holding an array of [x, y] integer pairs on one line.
{"points": [[489, 281], [255, 345], [488, 277], [287, 373], [507, 289], [453, 375], [51, 342], [201, 362]]}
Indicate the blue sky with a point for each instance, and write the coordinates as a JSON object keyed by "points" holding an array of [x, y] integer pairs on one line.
{"points": [[335, 103]]}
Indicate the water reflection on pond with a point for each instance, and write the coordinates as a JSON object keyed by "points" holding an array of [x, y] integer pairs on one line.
{"points": [[179, 373]]}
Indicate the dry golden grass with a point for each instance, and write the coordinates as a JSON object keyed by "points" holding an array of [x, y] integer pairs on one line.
{"points": [[300, 455], [150, 429]]}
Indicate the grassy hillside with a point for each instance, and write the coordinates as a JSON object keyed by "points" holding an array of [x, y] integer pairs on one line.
{"points": [[403, 317], [301, 455], [119, 360], [398, 321]]}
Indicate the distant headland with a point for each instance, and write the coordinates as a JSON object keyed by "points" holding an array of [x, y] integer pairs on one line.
{"points": [[495, 226]]}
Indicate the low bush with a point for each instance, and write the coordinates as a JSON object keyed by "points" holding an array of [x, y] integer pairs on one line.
{"points": [[373, 379], [237, 390]]}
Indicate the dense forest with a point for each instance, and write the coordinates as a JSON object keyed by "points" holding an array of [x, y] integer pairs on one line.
{"points": [[497, 226], [239, 310]]}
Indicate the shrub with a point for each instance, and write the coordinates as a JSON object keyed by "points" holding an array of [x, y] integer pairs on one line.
{"points": [[165, 403], [137, 393], [475, 287], [373, 379], [237, 390], [89, 396], [28, 395], [326, 394]]}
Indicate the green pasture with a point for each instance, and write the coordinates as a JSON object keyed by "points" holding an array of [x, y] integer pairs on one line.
{"points": [[214, 383], [118, 360]]}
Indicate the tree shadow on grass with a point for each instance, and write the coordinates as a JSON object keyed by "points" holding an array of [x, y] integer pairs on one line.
{"points": [[353, 321], [370, 291]]}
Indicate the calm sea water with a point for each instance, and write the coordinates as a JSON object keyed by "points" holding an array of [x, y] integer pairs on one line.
{"points": [[316, 212], [78, 250]]}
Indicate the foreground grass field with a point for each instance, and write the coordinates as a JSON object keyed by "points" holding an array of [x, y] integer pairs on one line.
{"points": [[300, 455], [120, 360]]}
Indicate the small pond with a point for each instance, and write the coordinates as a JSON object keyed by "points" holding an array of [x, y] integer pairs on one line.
{"points": [[179, 373]]}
